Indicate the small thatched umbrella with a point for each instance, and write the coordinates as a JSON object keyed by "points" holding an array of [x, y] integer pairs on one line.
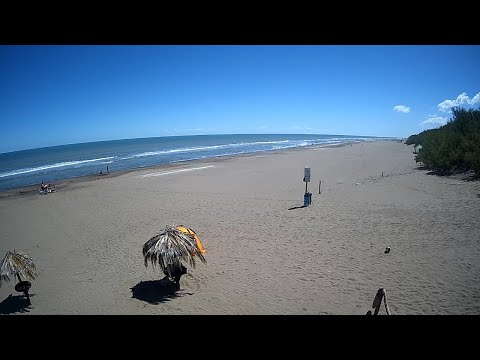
{"points": [[176, 244], [19, 265]]}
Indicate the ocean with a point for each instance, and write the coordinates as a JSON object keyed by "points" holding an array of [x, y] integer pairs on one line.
{"points": [[29, 167]]}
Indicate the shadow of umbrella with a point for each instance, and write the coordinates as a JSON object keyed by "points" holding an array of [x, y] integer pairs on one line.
{"points": [[14, 304], [16, 264], [155, 291]]}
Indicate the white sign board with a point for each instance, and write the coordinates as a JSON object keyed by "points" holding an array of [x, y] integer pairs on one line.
{"points": [[307, 175]]}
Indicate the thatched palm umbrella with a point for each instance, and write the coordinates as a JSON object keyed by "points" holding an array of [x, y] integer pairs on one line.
{"points": [[176, 244], [19, 265]]}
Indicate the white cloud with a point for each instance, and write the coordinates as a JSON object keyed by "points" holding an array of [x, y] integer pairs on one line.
{"points": [[446, 105], [462, 99], [434, 120], [401, 108], [475, 99]]}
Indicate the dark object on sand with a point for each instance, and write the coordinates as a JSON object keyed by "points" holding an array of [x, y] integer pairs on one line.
{"points": [[24, 286], [307, 199], [176, 273], [381, 295], [18, 265], [387, 249], [46, 188]]}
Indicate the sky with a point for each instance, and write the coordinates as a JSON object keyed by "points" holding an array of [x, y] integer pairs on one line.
{"points": [[64, 94]]}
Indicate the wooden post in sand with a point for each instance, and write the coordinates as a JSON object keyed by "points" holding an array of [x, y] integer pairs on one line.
{"points": [[319, 185], [381, 294], [377, 301]]}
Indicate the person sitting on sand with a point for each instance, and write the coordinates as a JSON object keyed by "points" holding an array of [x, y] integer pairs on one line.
{"points": [[47, 188], [43, 188]]}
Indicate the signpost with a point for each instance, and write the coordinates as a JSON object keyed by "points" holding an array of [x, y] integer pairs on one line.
{"points": [[307, 174], [307, 198], [306, 177]]}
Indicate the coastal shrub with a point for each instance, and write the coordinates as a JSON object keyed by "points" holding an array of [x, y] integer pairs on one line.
{"points": [[453, 147]]}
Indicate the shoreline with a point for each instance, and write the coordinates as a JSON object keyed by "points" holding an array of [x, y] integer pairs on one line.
{"points": [[66, 183]]}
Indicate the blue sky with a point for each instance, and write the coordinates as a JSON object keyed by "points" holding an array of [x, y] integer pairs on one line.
{"points": [[52, 95]]}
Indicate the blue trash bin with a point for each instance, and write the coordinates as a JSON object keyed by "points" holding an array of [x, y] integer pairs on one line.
{"points": [[307, 199]]}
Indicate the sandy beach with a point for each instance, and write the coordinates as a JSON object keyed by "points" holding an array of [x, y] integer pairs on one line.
{"points": [[86, 238]]}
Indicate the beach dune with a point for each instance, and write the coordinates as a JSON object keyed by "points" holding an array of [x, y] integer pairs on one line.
{"points": [[262, 258]]}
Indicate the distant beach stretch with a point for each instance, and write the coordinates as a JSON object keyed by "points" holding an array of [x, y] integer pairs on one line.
{"points": [[379, 227], [31, 167]]}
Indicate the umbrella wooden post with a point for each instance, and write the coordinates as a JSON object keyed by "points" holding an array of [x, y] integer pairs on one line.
{"points": [[28, 297]]}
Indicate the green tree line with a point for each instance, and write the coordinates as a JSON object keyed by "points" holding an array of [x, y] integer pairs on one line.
{"points": [[453, 147]]}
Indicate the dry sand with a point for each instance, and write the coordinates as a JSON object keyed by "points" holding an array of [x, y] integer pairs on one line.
{"points": [[86, 239]]}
